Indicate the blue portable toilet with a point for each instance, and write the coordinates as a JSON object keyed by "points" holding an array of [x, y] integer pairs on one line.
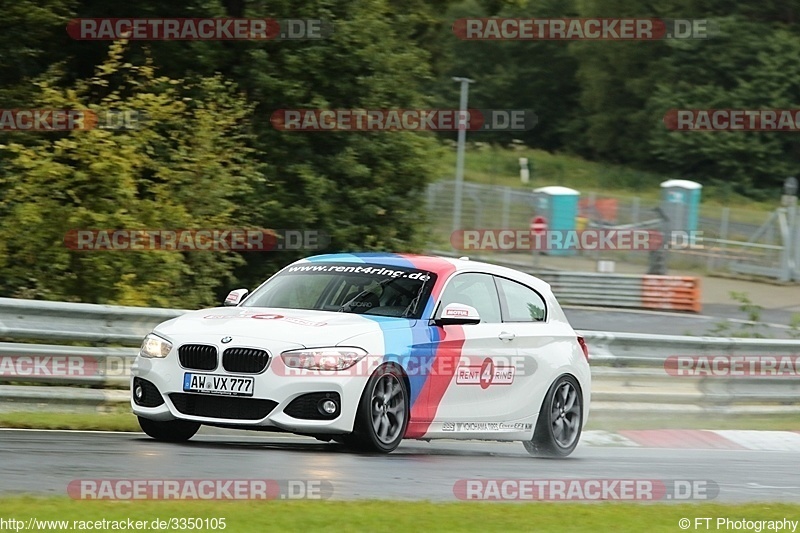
{"points": [[559, 205], [680, 201]]}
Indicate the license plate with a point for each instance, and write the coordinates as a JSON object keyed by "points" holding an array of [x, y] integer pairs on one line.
{"points": [[216, 384]]}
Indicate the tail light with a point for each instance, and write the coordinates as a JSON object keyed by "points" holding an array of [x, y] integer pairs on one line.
{"points": [[584, 348]]}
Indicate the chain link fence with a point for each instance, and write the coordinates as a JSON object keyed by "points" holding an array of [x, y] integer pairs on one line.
{"points": [[731, 237]]}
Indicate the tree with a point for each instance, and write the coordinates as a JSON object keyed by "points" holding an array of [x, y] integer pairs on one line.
{"points": [[364, 189], [744, 68], [188, 167], [616, 78], [33, 39], [534, 75]]}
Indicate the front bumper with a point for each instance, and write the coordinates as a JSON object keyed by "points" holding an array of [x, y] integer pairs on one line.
{"points": [[272, 395]]}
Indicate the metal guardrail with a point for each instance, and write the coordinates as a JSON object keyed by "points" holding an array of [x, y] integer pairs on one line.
{"points": [[637, 291], [64, 321], [677, 293], [628, 368], [632, 367], [71, 365], [648, 350]]}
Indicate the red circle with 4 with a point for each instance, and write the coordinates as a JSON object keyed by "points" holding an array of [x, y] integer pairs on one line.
{"points": [[487, 373]]}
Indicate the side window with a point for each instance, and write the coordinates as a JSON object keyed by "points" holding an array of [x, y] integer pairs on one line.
{"points": [[520, 302], [476, 290]]}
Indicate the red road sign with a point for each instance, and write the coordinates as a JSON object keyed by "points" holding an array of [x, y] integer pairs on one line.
{"points": [[538, 225]]}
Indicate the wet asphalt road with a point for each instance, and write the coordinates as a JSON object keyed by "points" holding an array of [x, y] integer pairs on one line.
{"points": [[44, 462], [715, 321]]}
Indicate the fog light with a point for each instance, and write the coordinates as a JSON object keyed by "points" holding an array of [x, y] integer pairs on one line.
{"points": [[138, 392], [329, 407]]}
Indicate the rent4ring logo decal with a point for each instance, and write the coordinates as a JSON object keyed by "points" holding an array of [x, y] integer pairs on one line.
{"points": [[486, 374]]}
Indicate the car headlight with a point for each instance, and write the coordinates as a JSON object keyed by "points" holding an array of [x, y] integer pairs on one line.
{"points": [[333, 358], [155, 346]]}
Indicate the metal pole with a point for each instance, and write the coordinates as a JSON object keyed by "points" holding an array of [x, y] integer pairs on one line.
{"points": [[431, 198], [790, 240], [462, 138], [723, 233], [796, 244], [789, 200], [506, 207], [783, 227]]}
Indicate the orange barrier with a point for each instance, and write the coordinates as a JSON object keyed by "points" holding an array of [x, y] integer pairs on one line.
{"points": [[604, 209], [671, 292]]}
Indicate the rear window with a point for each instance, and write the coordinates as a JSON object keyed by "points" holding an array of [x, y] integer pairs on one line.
{"points": [[520, 303]]}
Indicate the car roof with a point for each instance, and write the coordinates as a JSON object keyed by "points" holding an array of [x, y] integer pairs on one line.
{"points": [[437, 264]]}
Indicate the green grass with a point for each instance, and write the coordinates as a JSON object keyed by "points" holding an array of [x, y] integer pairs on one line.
{"points": [[787, 422], [258, 516], [499, 166], [116, 420]]}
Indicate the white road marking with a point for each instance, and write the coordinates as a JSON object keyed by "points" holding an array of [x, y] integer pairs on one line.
{"points": [[605, 438], [763, 440]]}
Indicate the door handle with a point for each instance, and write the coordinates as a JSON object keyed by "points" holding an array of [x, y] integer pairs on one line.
{"points": [[506, 337]]}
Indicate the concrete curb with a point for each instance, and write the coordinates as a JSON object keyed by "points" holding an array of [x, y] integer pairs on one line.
{"points": [[696, 439]]}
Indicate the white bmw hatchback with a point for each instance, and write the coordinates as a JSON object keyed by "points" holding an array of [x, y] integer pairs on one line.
{"points": [[369, 349]]}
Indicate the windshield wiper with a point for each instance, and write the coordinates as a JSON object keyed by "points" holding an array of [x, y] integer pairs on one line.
{"points": [[415, 302]]}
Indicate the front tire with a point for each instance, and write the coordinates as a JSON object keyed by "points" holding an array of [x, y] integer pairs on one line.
{"points": [[558, 428], [383, 412], [169, 431]]}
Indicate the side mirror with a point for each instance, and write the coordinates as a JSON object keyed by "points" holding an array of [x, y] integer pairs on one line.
{"points": [[458, 314], [235, 297]]}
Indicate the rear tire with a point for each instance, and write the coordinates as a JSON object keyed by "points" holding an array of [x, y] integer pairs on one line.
{"points": [[169, 431], [383, 411], [558, 428]]}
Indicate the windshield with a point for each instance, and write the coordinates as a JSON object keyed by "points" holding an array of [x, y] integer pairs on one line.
{"points": [[347, 288]]}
